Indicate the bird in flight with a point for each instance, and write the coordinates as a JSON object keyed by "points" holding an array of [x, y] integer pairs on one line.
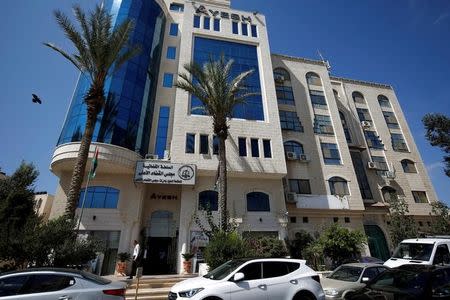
{"points": [[36, 99]]}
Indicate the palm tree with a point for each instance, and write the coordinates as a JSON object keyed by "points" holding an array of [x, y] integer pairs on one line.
{"points": [[220, 92], [101, 50]]}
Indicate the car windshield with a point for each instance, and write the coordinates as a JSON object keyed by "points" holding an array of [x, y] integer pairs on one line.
{"points": [[400, 280], [413, 251], [224, 270], [346, 273]]}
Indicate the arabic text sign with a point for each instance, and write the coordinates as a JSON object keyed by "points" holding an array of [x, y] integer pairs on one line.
{"points": [[164, 173]]}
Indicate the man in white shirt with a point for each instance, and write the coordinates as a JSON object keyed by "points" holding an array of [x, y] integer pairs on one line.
{"points": [[136, 251]]}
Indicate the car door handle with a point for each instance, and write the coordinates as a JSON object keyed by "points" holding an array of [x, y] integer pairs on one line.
{"points": [[262, 286], [65, 297], [293, 281]]}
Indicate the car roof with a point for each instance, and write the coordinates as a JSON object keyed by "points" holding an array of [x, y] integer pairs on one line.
{"points": [[45, 270], [421, 268], [426, 240], [363, 265], [301, 261]]}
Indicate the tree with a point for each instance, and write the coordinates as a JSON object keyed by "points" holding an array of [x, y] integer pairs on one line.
{"points": [[441, 218], [101, 50], [17, 215], [296, 246], [401, 225], [219, 92], [438, 134]]}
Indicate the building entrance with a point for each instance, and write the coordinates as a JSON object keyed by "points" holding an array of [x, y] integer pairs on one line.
{"points": [[377, 242]]}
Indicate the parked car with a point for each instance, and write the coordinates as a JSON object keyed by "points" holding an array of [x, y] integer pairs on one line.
{"points": [[253, 279], [58, 284], [349, 278], [366, 259], [407, 282], [425, 251]]}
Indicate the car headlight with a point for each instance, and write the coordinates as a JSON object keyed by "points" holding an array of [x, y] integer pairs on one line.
{"points": [[332, 293], [190, 293]]}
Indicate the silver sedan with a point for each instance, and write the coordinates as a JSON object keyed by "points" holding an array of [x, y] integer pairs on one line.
{"points": [[58, 284]]}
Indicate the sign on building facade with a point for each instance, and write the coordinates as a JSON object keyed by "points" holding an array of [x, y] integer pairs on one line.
{"points": [[150, 171]]}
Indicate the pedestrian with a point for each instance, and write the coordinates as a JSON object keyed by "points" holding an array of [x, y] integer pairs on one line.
{"points": [[136, 257]]}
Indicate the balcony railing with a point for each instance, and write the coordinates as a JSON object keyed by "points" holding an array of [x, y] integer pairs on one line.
{"points": [[322, 202]]}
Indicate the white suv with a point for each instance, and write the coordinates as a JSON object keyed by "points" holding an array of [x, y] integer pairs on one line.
{"points": [[425, 251], [253, 279]]}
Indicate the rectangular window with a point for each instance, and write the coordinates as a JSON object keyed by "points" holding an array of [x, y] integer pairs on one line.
{"points": [[242, 146], [216, 24], [173, 29], [254, 31], [196, 21], [420, 197], [168, 80], [190, 143], [215, 145], [161, 133], [267, 149], [322, 125], [290, 121], [255, 147], [373, 140], [361, 176], [305, 220], [171, 52], [206, 23], [398, 142], [330, 154], [318, 99], [390, 119], [235, 27], [363, 114], [176, 7], [299, 186], [244, 28], [285, 95], [204, 144], [380, 162], [408, 166]]}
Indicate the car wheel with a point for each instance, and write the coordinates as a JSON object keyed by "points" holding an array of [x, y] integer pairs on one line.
{"points": [[304, 295], [212, 298], [348, 295]]}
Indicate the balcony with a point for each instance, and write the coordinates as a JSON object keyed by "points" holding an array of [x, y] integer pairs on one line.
{"points": [[321, 202]]}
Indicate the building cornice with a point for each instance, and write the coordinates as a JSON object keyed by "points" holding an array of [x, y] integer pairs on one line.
{"points": [[300, 59]]}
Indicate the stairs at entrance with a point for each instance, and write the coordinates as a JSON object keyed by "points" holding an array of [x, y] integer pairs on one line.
{"points": [[154, 287]]}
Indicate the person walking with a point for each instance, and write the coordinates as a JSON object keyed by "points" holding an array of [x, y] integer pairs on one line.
{"points": [[136, 257]]}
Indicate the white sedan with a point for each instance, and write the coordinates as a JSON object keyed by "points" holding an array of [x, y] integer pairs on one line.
{"points": [[253, 279]]}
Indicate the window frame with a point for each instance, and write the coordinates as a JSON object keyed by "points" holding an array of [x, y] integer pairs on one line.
{"points": [[408, 166], [242, 145], [190, 143], [171, 52], [204, 144], [267, 148], [254, 147], [254, 207], [168, 80], [420, 197], [338, 180], [299, 183], [332, 160], [173, 29]]}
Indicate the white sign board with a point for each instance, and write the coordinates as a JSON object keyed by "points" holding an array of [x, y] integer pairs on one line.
{"points": [[152, 171]]}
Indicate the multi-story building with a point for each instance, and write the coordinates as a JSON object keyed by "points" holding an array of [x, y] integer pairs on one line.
{"points": [[43, 204], [299, 154]]}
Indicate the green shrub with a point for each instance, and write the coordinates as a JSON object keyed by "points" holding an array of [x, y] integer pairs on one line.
{"points": [[222, 247], [301, 241], [265, 247]]}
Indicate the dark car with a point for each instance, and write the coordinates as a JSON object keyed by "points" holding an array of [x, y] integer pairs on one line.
{"points": [[408, 282]]}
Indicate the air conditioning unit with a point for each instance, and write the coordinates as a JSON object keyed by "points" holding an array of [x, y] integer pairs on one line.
{"points": [[279, 78], [303, 157], [291, 155], [151, 156], [372, 165], [290, 197], [366, 124]]}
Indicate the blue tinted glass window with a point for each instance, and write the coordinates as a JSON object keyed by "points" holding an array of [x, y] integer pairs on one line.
{"points": [[196, 21], [235, 27], [373, 140], [318, 99], [285, 95], [99, 197], [330, 154], [242, 146], [168, 80], [254, 31], [267, 149], [208, 200], [171, 52], [173, 29], [398, 142], [290, 121], [257, 201], [216, 24], [322, 125], [245, 58], [363, 114], [190, 143], [161, 134], [390, 119], [383, 101], [206, 22], [244, 28], [291, 146], [215, 145], [255, 147], [176, 7], [204, 144]]}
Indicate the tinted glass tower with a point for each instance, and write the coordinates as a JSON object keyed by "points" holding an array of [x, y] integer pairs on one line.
{"points": [[130, 93]]}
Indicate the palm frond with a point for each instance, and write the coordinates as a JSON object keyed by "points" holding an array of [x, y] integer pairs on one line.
{"points": [[63, 53]]}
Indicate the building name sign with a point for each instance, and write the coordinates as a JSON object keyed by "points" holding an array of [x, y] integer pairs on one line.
{"points": [[223, 14], [164, 173]]}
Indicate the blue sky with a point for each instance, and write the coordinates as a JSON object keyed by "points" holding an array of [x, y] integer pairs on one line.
{"points": [[402, 43]]}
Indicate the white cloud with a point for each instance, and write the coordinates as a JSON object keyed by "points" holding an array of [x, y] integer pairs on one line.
{"points": [[433, 166], [441, 18]]}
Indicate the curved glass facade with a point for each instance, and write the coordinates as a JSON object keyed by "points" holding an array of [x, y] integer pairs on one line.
{"points": [[126, 118]]}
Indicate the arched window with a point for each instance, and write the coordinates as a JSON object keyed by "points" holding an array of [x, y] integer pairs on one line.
{"points": [[358, 97], [408, 166], [99, 197], [389, 193], [348, 136], [208, 200], [292, 146], [338, 186], [257, 201], [283, 86], [313, 79], [383, 101]]}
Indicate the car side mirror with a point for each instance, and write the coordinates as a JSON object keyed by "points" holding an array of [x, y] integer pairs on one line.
{"points": [[365, 279], [238, 276]]}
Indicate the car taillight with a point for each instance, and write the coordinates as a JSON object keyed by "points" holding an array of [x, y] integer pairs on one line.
{"points": [[316, 278], [115, 292]]}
